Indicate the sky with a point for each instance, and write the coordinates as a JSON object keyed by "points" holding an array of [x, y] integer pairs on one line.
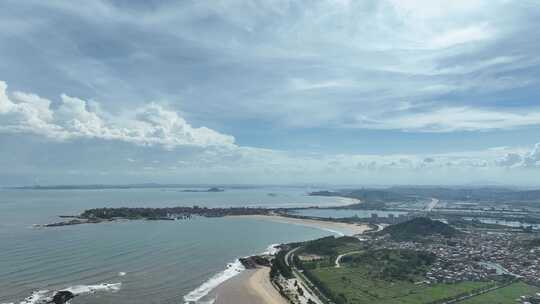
{"points": [[367, 92]]}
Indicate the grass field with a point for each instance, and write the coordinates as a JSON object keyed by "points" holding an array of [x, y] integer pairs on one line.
{"points": [[506, 295], [353, 284], [383, 276]]}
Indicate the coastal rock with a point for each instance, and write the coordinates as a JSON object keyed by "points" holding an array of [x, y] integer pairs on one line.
{"points": [[254, 262], [62, 297]]}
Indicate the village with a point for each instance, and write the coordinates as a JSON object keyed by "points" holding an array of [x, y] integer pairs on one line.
{"points": [[501, 257]]}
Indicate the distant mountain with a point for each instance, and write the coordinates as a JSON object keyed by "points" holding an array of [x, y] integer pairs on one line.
{"points": [[418, 228], [463, 193], [411, 193]]}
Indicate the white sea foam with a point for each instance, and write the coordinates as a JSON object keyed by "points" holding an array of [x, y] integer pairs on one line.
{"points": [[232, 270], [332, 231], [45, 296], [272, 249], [39, 296], [121, 274], [86, 289]]}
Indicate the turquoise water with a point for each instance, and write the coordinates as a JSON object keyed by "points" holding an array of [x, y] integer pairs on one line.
{"points": [[149, 261]]}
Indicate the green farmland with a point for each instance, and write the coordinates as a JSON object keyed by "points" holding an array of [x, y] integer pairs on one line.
{"points": [[354, 285], [505, 295]]}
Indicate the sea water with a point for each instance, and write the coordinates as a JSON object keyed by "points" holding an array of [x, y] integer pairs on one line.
{"points": [[134, 261]]}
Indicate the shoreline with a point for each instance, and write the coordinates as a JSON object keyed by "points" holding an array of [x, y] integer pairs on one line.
{"points": [[252, 286], [334, 227]]}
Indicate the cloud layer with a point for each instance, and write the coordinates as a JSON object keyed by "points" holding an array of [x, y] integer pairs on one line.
{"points": [[414, 65], [75, 118], [326, 90]]}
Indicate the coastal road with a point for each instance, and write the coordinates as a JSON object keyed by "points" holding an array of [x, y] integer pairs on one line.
{"points": [[308, 286], [288, 257], [339, 257]]}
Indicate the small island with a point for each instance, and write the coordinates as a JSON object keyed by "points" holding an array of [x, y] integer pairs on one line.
{"points": [[100, 215]]}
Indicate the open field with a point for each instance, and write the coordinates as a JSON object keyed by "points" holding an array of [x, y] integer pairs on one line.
{"points": [[375, 276], [354, 286], [505, 295]]}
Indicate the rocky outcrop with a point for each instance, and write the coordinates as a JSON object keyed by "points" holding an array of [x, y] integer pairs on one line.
{"points": [[62, 297]]}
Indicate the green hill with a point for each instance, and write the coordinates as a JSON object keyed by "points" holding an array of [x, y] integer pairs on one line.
{"points": [[418, 228]]}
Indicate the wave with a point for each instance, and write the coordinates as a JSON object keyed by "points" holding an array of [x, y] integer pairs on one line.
{"points": [[339, 233], [272, 249], [232, 270], [88, 289], [45, 296]]}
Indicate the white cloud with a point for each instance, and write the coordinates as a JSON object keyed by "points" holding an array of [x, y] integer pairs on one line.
{"points": [[521, 159], [303, 84], [451, 119], [73, 118], [532, 159], [324, 59], [460, 36], [256, 159], [510, 160]]}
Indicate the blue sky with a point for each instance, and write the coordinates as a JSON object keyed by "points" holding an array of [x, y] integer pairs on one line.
{"points": [[337, 91]]}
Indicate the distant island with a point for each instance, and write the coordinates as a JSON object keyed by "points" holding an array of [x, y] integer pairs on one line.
{"points": [[99, 215], [213, 189]]}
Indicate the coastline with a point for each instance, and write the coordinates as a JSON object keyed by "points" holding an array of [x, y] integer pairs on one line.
{"points": [[252, 286], [334, 227]]}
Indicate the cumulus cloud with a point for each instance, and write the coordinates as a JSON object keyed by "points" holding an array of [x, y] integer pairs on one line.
{"points": [[510, 160], [257, 159], [151, 124], [527, 159], [322, 61], [532, 159]]}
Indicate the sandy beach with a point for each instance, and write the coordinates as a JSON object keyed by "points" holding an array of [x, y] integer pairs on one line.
{"points": [[253, 286], [335, 227], [250, 287]]}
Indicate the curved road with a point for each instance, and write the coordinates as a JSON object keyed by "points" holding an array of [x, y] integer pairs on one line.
{"points": [[308, 286], [339, 257]]}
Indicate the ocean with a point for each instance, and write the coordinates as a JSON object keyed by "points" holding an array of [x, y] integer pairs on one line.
{"points": [[135, 261]]}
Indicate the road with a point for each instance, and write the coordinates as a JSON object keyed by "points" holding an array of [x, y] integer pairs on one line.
{"points": [[308, 286], [339, 257]]}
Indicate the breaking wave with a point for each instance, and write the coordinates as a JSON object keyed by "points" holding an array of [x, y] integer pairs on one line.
{"points": [[232, 270], [45, 296]]}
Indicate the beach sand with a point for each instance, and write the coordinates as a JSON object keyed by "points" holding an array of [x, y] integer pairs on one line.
{"points": [[250, 287], [336, 227], [253, 286]]}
